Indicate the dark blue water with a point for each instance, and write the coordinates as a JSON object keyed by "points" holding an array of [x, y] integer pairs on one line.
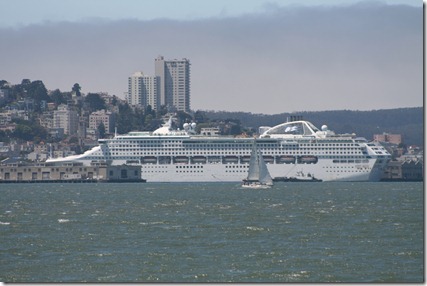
{"points": [[295, 232]]}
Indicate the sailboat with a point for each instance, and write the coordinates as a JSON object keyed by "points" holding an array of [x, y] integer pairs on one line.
{"points": [[258, 175]]}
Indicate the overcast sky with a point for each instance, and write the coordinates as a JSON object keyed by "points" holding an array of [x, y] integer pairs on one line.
{"points": [[256, 56]]}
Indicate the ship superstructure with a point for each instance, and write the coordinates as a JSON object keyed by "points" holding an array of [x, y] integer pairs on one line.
{"points": [[168, 155]]}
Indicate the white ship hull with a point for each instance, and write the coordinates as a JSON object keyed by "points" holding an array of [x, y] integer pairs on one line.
{"points": [[178, 157], [237, 172]]}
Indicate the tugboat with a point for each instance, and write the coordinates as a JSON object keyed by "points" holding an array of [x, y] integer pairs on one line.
{"points": [[300, 176]]}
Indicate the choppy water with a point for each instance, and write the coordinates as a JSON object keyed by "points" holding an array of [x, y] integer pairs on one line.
{"points": [[295, 232]]}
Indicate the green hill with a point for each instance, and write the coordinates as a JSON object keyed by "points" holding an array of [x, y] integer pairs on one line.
{"points": [[406, 121]]}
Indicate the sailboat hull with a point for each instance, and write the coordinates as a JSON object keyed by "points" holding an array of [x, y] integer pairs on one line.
{"points": [[256, 186]]}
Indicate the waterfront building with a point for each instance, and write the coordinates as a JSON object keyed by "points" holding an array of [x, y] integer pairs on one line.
{"points": [[67, 172], [143, 90], [404, 170], [174, 78]]}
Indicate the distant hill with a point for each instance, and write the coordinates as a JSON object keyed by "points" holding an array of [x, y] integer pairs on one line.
{"points": [[406, 121]]}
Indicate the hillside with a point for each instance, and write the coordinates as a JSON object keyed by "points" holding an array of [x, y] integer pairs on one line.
{"points": [[406, 121]]}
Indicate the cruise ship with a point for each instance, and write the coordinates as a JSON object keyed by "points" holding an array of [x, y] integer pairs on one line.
{"points": [[290, 148]]}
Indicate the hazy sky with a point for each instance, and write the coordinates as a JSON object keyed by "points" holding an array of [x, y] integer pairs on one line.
{"points": [[257, 56]]}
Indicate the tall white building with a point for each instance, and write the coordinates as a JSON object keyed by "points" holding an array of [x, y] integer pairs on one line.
{"points": [[66, 118], [174, 78], [143, 90]]}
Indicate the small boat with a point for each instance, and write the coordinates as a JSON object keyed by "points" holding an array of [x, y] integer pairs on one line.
{"points": [[302, 177], [258, 175], [299, 177]]}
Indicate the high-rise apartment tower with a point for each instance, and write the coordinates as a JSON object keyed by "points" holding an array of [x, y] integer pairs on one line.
{"points": [[143, 90], [174, 76]]}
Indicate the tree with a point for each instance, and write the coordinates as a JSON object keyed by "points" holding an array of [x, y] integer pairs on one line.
{"points": [[150, 110], [25, 82], [124, 119], [183, 117], [58, 97], [3, 83], [162, 111], [95, 101], [38, 92], [5, 136], [114, 100], [148, 120], [200, 117], [101, 130], [73, 140], [138, 119], [21, 89], [28, 131], [76, 88]]}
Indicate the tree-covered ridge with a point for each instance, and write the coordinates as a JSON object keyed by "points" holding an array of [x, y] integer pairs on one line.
{"points": [[406, 121]]}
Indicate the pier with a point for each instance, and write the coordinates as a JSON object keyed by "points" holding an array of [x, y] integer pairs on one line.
{"points": [[69, 173]]}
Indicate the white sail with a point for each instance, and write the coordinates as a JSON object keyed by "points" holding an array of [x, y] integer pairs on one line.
{"points": [[258, 174], [264, 175], [253, 173]]}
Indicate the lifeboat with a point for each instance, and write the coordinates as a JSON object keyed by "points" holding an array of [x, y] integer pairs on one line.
{"points": [[230, 159], [180, 160], [198, 160], [285, 159], [268, 159], [214, 159], [245, 159], [149, 160], [164, 159]]}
